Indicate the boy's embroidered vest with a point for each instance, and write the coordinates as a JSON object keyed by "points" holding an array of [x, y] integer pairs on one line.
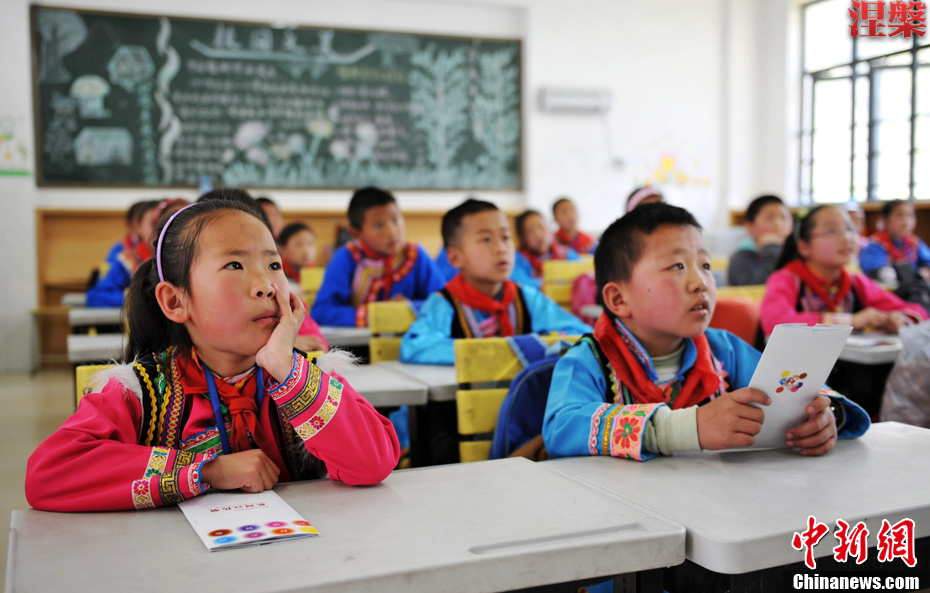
{"points": [[466, 325], [614, 393], [371, 281], [165, 409]]}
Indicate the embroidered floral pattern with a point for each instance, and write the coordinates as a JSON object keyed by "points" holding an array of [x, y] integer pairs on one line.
{"points": [[626, 432], [297, 367], [321, 418], [595, 426]]}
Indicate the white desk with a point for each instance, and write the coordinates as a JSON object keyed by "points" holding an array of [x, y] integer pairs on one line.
{"points": [[475, 527], [345, 336], [99, 348], [74, 299], [88, 316], [383, 387], [741, 509], [439, 379], [871, 349]]}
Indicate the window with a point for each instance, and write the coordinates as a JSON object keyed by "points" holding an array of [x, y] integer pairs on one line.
{"points": [[865, 127]]}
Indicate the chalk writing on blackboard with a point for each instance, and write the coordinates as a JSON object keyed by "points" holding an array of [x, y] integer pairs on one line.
{"points": [[145, 100]]}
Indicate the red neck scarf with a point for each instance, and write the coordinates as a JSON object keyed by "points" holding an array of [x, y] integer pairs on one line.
{"points": [[906, 253], [470, 296], [387, 261], [556, 251], [701, 382], [289, 270], [581, 243], [832, 294], [239, 399], [135, 251]]}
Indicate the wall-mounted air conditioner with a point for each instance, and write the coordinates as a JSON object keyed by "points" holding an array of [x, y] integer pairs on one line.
{"points": [[574, 100]]}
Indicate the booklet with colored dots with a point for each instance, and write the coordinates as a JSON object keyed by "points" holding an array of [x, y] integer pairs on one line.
{"points": [[793, 368], [226, 520]]}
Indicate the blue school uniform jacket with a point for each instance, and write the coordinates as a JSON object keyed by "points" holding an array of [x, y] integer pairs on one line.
{"points": [[430, 339], [333, 305], [875, 256], [109, 290], [581, 417]]}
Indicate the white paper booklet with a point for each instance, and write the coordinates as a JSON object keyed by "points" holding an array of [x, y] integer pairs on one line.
{"points": [[794, 366], [226, 520]]}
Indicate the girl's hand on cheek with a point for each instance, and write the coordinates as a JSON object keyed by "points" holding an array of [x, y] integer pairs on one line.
{"points": [[277, 355]]}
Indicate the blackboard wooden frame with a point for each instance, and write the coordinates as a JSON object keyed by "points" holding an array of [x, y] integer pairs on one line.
{"points": [[41, 110]]}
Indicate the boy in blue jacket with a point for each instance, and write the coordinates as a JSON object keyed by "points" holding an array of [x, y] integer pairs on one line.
{"points": [[654, 378], [379, 265]]}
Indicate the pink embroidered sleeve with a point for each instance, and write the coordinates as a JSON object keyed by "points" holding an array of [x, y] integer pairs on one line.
{"points": [[338, 426], [778, 304], [871, 294], [93, 462]]}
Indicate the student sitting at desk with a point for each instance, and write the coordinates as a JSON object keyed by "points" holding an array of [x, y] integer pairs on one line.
{"points": [[297, 243], [566, 216], [110, 290], [215, 396], [813, 286], [379, 265], [480, 301], [768, 222], [537, 246], [654, 378]]}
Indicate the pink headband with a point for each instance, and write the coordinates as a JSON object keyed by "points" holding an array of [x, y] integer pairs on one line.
{"points": [[161, 239], [639, 196]]}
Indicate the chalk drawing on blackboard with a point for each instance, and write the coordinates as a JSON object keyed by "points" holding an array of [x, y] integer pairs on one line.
{"points": [[261, 40], [130, 65], [295, 63], [392, 45], [169, 125], [62, 32], [495, 123], [103, 146], [89, 92], [58, 137], [439, 106]]}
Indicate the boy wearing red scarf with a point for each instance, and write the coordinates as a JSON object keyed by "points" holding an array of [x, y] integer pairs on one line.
{"points": [[481, 301], [566, 216], [537, 246], [653, 378], [379, 265], [896, 244]]}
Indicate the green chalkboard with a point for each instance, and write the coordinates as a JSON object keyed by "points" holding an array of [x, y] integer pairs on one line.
{"points": [[142, 100]]}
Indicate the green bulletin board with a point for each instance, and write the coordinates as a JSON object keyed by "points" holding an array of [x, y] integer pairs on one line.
{"points": [[141, 100]]}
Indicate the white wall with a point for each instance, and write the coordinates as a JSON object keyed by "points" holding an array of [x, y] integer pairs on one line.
{"points": [[678, 77]]}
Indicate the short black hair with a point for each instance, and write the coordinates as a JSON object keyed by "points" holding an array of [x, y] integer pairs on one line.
{"points": [[521, 219], [363, 200], [266, 200], [558, 202], [452, 220], [621, 245], [888, 207], [138, 210], [291, 230], [756, 206]]}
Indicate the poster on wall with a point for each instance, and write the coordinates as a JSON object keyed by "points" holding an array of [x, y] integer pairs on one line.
{"points": [[144, 100], [14, 152]]}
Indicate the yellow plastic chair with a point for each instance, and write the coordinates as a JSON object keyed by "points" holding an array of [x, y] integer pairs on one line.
{"points": [[753, 292], [388, 321], [82, 375], [478, 362], [558, 276], [310, 281]]}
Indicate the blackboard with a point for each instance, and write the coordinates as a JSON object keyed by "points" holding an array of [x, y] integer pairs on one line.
{"points": [[143, 100]]}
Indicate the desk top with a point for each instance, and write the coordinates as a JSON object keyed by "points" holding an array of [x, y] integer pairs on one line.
{"points": [[474, 527], [439, 379], [741, 509], [99, 348], [383, 387], [345, 336], [871, 349], [85, 316]]}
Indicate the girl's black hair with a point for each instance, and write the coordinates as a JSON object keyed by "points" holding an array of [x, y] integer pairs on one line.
{"points": [[802, 231], [149, 330]]}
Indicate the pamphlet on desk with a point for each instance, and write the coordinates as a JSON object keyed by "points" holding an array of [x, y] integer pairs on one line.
{"points": [[793, 368], [227, 520]]}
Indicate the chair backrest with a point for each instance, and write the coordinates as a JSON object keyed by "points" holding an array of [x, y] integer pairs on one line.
{"points": [[740, 316], [82, 375], [310, 281], [558, 276], [753, 292], [388, 320], [482, 361]]}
